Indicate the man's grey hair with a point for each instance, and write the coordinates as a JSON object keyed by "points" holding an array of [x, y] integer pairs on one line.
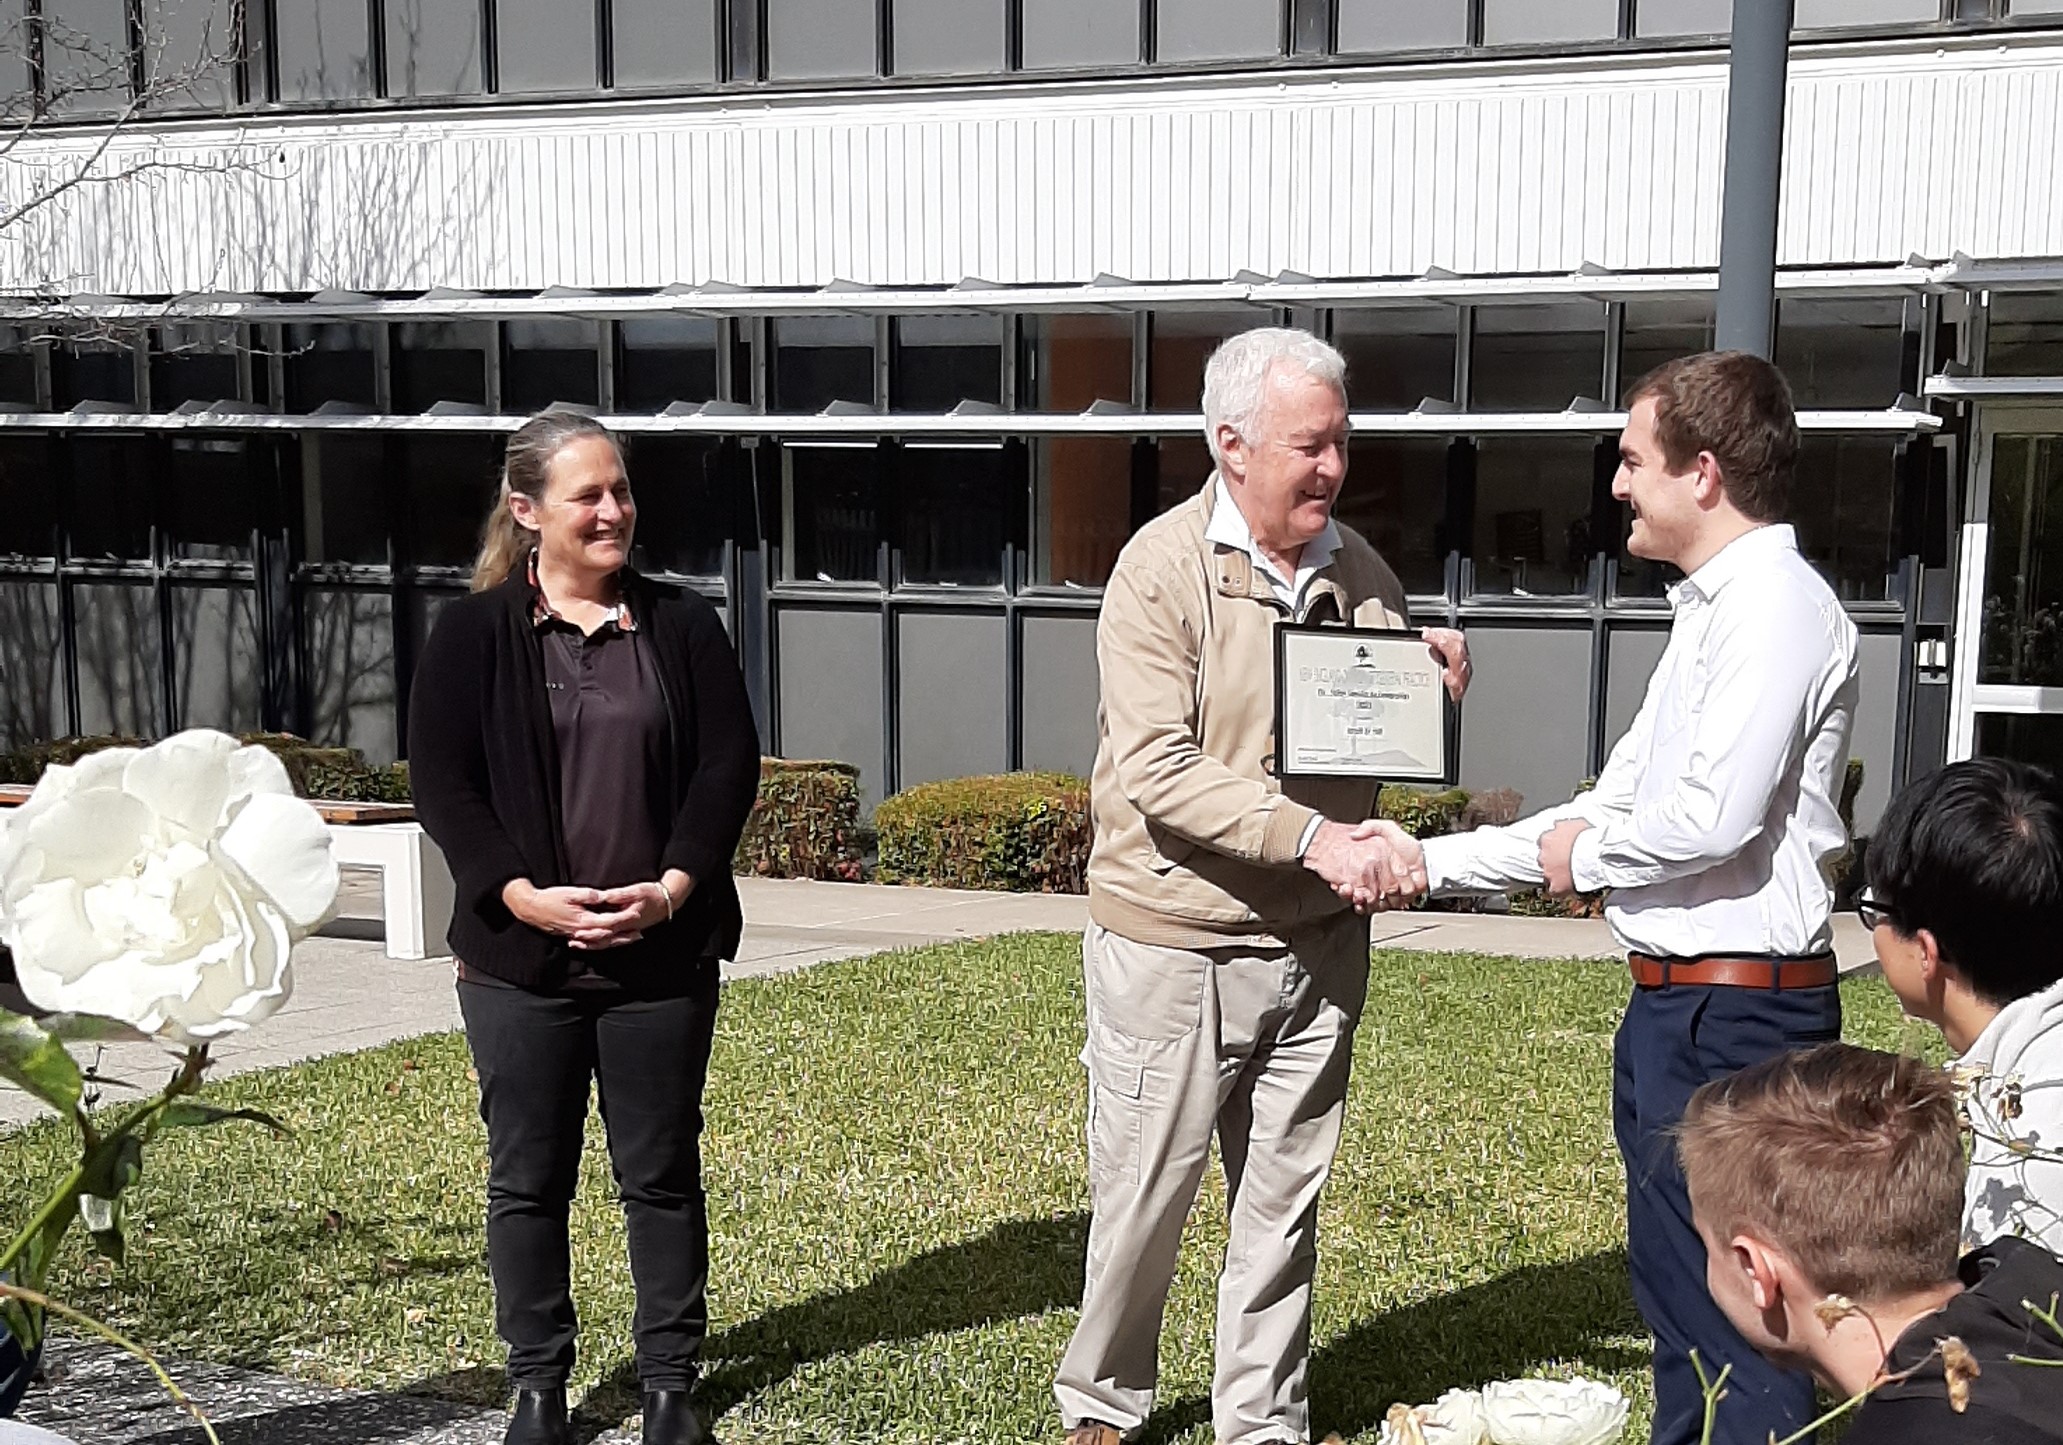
{"points": [[1235, 380]]}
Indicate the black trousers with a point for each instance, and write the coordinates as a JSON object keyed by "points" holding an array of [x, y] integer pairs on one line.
{"points": [[1672, 1040], [535, 1054]]}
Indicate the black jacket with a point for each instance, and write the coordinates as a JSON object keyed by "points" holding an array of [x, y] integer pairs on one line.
{"points": [[2011, 1402], [483, 765]]}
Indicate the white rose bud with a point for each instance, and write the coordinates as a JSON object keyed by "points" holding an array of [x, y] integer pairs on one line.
{"points": [[164, 886], [1554, 1412]]}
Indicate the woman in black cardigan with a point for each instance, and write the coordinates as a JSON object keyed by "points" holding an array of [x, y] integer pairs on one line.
{"points": [[581, 748]]}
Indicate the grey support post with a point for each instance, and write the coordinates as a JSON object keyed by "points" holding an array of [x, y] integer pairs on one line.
{"points": [[1756, 67]]}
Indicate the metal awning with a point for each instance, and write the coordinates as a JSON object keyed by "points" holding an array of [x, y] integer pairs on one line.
{"points": [[719, 419], [976, 296], [1951, 387]]}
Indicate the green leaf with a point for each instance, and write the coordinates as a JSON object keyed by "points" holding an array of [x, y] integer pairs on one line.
{"points": [[193, 1114], [113, 1166], [31, 1057], [90, 1029]]}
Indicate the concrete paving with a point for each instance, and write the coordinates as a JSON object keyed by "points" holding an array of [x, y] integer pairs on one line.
{"points": [[349, 995]]}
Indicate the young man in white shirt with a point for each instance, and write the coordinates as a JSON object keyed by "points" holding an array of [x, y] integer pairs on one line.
{"points": [[1965, 906], [1711, 825]]}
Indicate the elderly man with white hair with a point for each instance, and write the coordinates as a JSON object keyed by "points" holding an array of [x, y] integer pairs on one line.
{"points": [[1226, 960]]}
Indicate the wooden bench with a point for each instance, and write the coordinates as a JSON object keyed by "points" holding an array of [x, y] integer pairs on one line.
{"points": [[415, 883]]}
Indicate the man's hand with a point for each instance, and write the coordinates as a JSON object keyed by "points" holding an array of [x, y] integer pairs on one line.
{"points": [[1450, 650], [1372, 865], [1557, 847]]}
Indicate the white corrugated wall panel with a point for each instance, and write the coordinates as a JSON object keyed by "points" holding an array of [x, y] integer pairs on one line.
{"points": [[1493, 169]]}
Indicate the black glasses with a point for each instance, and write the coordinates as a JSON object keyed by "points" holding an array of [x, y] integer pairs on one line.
{"points": [[1873, 910]]}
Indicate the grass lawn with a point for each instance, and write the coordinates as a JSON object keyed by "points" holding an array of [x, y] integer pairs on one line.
{"points": [[898, 1197]]}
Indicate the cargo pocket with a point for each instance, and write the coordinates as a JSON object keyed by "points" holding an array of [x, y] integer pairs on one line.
{"points": [[1115, 1084]]}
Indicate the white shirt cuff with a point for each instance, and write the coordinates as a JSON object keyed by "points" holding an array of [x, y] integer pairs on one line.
{"points": [[1310, 831], [1586, 861]]}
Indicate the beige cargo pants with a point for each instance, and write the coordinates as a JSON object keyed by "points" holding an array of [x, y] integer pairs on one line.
{"points": [[1254, 1044]]}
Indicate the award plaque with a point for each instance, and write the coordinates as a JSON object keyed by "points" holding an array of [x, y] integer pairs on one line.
{"points": [[1359, 702]]}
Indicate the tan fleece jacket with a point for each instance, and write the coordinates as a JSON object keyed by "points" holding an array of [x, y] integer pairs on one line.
{"points": [[1196, 840]]}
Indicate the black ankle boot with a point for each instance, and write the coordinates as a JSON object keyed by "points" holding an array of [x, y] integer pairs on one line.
{"points": [[671, 1418], [540, 1419]]}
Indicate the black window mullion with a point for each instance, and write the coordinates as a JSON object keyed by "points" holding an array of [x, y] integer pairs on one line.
{"points": [[1013, 34], [1148, 40], [376, 43], [884, 37], [490, 56], [605, 45]]}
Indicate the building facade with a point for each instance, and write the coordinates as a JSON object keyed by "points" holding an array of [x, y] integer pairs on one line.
{"points": [[904, 304]]}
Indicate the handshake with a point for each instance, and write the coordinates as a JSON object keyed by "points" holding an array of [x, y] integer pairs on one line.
{"points": [[1374, 865]]}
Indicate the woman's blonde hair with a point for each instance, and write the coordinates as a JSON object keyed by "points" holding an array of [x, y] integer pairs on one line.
{"points": [[526, 468]]}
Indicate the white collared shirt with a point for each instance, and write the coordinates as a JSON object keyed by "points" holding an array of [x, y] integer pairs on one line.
{"points": [[1715, 816], [1228, 528]]}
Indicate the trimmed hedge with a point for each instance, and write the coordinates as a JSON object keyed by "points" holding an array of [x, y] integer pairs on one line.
{"points": [[1019, 832], [806, 823], [315, 771], [1422, 812]]}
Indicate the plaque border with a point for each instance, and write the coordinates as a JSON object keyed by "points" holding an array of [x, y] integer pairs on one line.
{"points": [[1283, 630]]}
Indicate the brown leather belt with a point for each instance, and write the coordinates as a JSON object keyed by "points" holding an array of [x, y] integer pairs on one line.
{"points": [[1772, 974]]}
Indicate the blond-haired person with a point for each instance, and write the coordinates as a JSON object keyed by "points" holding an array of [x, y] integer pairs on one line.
{"points": [[1827, 1188], [1225, 970], [582, 749]]}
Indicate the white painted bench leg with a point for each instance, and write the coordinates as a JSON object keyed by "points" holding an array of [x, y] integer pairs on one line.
{"points": [[415, 883]]}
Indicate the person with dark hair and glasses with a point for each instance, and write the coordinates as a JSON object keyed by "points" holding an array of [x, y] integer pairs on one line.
{"points": [[1965, 905]]}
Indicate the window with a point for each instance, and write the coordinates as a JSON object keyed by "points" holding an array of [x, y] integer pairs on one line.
{"points": [[2022, 642], [1824, 14], [92, 371], [821, 39], [1081, 508], [822, 359], [211, 501], [1396, 358], [196, 361], [664, 359], [190, 53], [1844, 502], [549, 360], [1071, 362], [1541, 22], [86, 56], [328, 361], [441, 361], [1532, 516], [433, 47], [1376, 25], [1062, 34], [941, 361], [833, 513], [1396, 497], [685, 503], [1842, 353], [323, 49], [543, 45], [1536, 358], [17, 366], [109, 499], [2025, 737], [1217, 30], [2024, 334], [1182, 464], [950, 37], [953, 505], [345, 505], [1182, 342], [1683, 17], [448, 482], [663, 42], [1659, 331], [31, 495]]}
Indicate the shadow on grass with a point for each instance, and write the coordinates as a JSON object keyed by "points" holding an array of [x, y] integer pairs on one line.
{"points": [[1495, 1330], [1021, 1267]]}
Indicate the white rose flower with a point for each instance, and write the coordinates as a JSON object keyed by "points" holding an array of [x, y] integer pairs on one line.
{"points": [[1456, 1418], [164, 886], [1554, 1412]]}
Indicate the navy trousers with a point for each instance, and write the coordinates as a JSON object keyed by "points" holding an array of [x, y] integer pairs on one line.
{"points": [[1672, 1040]]}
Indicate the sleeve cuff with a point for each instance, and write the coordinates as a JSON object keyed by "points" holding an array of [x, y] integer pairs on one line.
{"points": [[1586, 861], [1283, 840], [1310, 832]]}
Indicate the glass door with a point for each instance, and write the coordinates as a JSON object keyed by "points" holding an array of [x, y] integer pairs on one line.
{"points": [[2009, 662]]}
